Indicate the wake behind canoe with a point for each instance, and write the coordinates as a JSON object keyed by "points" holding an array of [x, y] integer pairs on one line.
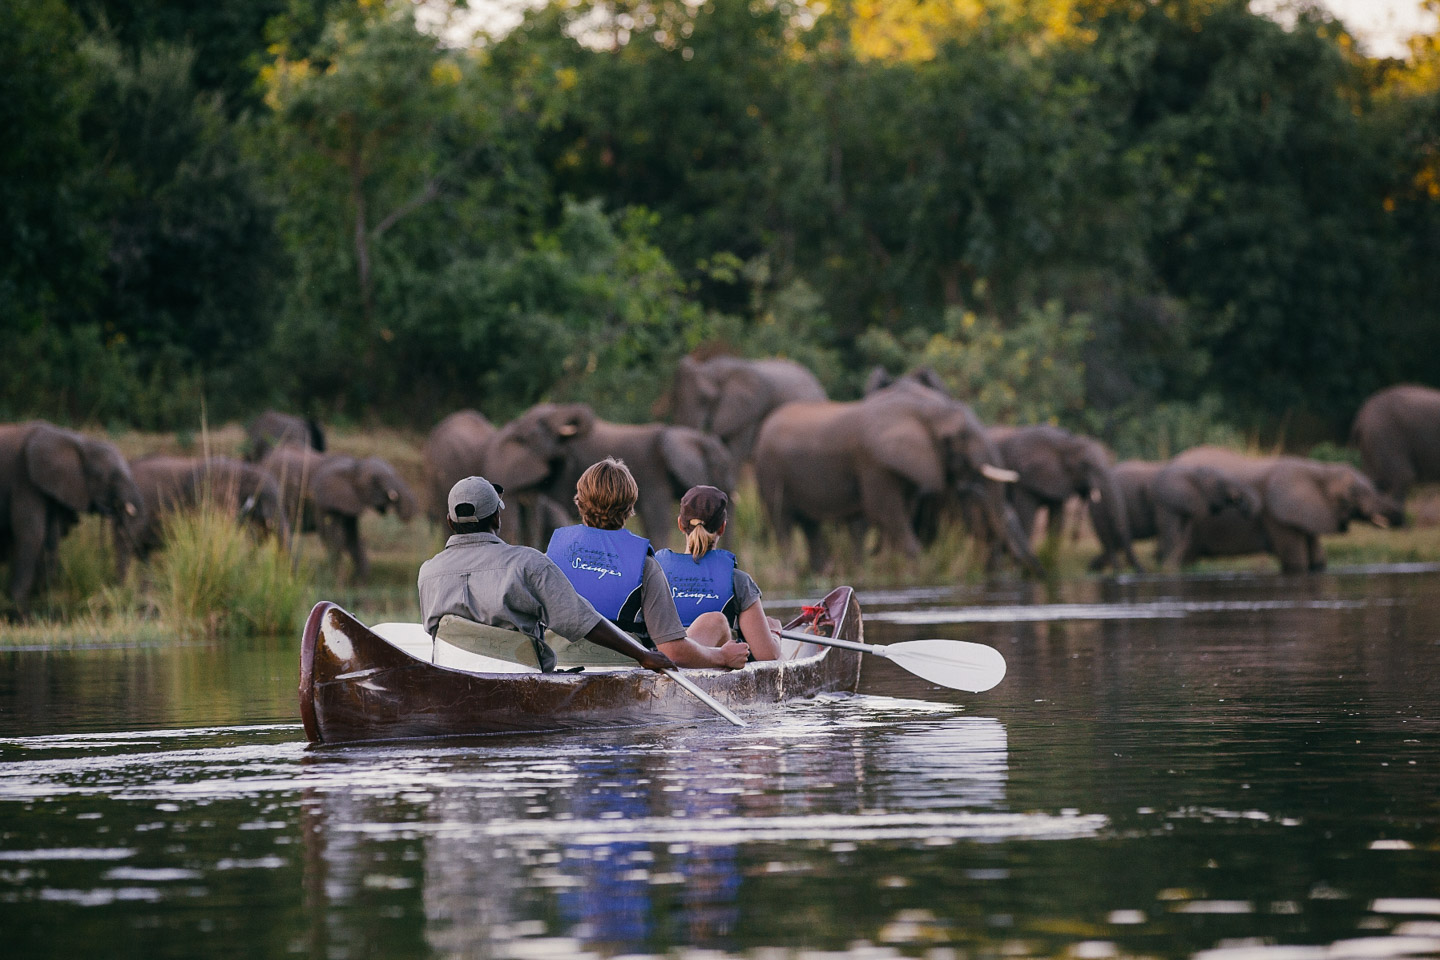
{"points": [[356, 685]]}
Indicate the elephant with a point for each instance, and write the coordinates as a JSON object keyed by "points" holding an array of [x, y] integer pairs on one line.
{"points": [[545, 449], [275, 429], [48, 477], [1398, 434], [872, 462], [730, 397], [1300, 501], [328, 493], [1164, 499], [454, 450], [1055, 465], [168, 484]]}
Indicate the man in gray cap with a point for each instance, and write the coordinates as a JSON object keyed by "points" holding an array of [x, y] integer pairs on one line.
{"points": [[481, 578]]}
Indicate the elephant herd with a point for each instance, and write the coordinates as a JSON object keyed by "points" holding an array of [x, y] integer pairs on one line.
{"points": [[49, 476], [899, 461]]}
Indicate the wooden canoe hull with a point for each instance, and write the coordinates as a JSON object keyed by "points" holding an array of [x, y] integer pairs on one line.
{"points": [[355, 686]]}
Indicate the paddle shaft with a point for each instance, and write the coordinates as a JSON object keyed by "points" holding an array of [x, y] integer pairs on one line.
{"points": [[879, 649], [704, 697]]}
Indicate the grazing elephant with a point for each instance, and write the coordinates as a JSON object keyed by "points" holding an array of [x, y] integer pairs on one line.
{"points": [[1055, 465], [731, 397], [48, 477], [1300, 501], [1398, 434], [1165, 499], [328, 493], [274, 429], [168, 484], [545, 450], [871, 463]]}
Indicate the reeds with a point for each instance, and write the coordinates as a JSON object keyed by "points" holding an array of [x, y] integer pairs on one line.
{"points": [[213, 577]]}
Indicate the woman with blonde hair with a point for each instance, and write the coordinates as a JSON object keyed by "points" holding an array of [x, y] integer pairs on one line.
{"points": [[618, 573], [713, 597]]}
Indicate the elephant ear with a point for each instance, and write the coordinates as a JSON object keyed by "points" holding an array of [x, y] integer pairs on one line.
{"points": [[512, 463], [1181, 490], [54, 465], [743, 402], [1040, 470], [337, 487], [906, 446], [1301, 498], [683, 452]]}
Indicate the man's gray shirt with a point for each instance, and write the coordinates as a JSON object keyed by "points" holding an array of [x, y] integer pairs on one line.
{"points": [[482, 578]]}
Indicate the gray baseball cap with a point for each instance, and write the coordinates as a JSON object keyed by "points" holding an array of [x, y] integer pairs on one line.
{"points": [[474, 498]]}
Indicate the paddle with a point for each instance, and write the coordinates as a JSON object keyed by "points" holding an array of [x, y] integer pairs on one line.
{"points": [[956, 664], [704, 697]]}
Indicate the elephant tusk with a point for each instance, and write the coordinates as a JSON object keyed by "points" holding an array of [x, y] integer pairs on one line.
{"points": [[569, 430], [1094, 496], [393, 495], [1379, 520], [998, 474], [130, 509]]}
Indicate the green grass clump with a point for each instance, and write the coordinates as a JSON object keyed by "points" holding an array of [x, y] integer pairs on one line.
{"points": [[214, 578]]}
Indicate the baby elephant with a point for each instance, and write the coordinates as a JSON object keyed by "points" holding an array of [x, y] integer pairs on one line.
{"points": [[328, 493], [168, 484]]}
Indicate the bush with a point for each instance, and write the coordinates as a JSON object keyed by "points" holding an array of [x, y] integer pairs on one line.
{"points": [[1031, 371], [1160, 431]]}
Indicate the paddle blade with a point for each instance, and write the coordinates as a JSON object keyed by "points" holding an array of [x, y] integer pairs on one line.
{"points": [[950, 663]]}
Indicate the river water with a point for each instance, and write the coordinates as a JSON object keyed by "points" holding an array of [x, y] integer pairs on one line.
{"points": [[1230, 768]]}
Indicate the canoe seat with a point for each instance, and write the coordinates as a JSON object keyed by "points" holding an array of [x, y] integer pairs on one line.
{"points": [[515, 647]]}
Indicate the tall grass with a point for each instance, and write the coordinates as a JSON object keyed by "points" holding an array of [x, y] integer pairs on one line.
{"points": [[214, 578]]}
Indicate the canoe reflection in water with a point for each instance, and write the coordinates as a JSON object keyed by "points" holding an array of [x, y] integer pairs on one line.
{"points": [[640, 841]]}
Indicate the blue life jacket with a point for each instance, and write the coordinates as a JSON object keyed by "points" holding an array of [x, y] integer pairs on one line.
{"points": [[700, 586], [606, 567]]}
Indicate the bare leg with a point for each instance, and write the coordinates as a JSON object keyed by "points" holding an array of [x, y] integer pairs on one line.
{"points": [[710, 629], [760, 632]]}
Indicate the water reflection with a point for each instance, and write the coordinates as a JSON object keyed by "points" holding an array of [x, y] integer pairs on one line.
{"points": [[622, 846], [1252, 779]]}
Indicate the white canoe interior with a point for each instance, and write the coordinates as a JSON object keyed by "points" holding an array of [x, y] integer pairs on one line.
{"points": [[415, 640]]}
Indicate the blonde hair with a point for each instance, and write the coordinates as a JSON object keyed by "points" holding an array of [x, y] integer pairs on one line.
{"points": [[606, 494], [698, 540]]}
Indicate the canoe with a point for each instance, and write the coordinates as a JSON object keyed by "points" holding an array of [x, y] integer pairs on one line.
{"points": [[359, 683]]}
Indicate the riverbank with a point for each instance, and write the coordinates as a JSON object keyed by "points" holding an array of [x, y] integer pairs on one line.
{"points": [[87, 608]]}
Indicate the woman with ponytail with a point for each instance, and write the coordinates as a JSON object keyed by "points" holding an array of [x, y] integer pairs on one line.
{"points": [[713, 597]]}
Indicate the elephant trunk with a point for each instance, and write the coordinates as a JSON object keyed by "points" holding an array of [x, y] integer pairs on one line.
{"points": [[1005, 527], [1109, 516]]}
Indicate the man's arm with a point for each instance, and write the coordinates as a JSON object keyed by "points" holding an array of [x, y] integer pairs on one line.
{"points": [[688, 653]]}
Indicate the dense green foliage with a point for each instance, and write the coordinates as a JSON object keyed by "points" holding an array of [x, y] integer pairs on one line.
{"points": [[1166, 217]]}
